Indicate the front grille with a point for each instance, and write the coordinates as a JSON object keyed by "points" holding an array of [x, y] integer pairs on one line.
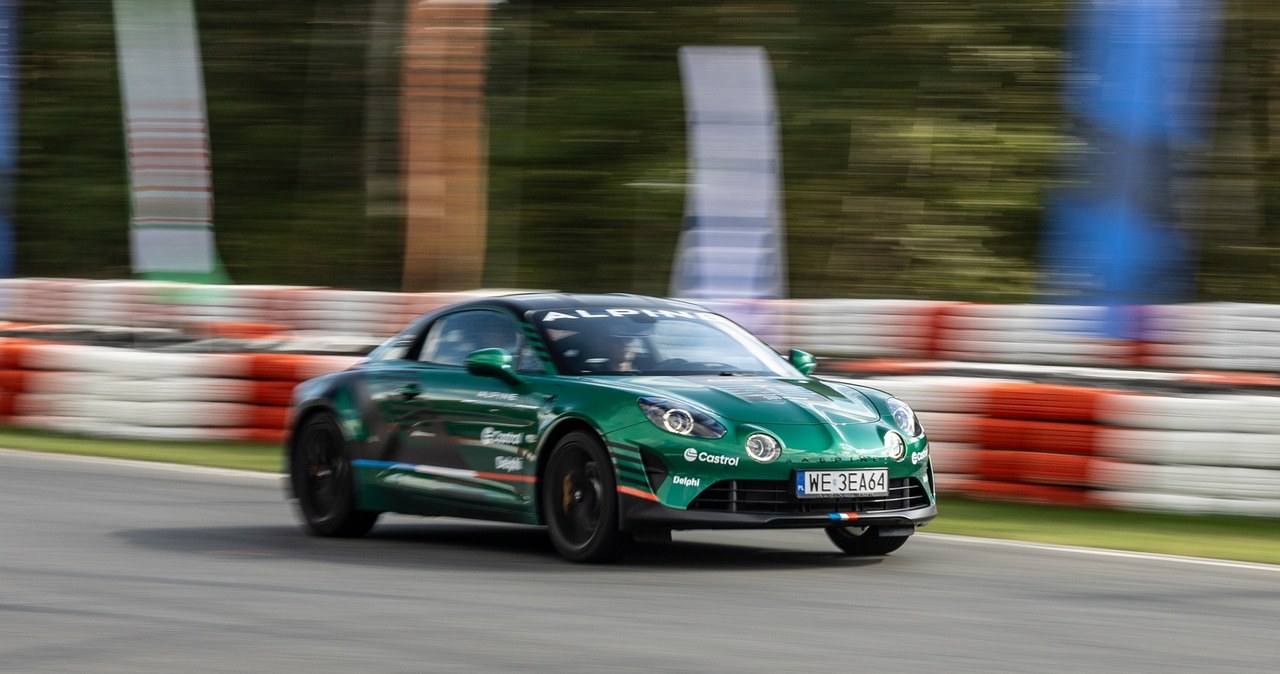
{"points": [[776, 496]]}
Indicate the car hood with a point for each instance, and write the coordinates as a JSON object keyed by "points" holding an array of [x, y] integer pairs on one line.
{"points": [[761, 400]]}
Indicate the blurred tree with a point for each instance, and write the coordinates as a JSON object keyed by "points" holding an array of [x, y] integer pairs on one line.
{"points": [[918, 141], [71, 203]]}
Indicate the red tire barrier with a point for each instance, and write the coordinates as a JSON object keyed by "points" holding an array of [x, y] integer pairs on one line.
{"points": [[1047, 402], [1038, 436]]}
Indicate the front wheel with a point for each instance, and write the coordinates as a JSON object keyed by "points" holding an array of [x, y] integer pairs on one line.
{"points": [[324, 483], [864, 541], [580, 501]]}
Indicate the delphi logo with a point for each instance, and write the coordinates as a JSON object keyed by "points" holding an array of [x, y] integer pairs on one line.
{"points": [[686, 481], [509, 464]]}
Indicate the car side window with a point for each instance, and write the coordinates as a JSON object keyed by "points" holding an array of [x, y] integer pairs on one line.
{"points": [[452, 337], [527, 360]]}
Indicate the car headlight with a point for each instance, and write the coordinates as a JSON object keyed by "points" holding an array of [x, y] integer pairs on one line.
{"points": [[894, 443], [763, 448], [680, 419], [905, 418]]}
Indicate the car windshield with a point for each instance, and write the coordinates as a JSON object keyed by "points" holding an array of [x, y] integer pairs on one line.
{"points": [[626, 341]]}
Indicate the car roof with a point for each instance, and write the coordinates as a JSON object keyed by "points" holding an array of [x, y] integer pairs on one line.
{"points": [[522, 302]]}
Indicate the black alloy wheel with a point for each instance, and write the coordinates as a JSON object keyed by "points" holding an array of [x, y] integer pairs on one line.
{"points": [[864, 541], [580, 501], [323, 481]]}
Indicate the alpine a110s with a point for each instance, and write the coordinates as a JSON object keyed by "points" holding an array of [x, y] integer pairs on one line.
{"points": [[605, 418]]}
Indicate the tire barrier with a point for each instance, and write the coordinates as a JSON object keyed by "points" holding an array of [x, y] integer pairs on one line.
{"points": [[1021, 402], [1027, 333], [128, 393], [1214, 336], [215, 311], [1209, 453], [1220, 336], [864, 328]]}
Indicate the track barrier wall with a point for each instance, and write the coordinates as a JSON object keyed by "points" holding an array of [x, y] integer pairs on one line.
{"points": [[1021, 402]]}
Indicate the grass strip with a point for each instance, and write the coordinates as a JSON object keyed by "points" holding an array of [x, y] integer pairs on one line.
{"points": [[1220, 537], [1235, 538], [242, 456]]}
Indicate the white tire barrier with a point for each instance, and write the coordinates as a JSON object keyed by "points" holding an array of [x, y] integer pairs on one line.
{"points": [[1221, 413], [146, 394], [1205, 481], [1194, 448]]}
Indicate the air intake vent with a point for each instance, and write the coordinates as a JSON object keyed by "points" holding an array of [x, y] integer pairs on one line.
{"points": [[654, 468], [775, 496]]}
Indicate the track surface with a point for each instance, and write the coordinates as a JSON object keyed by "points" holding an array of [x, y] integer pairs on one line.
{"points": [[109, 567]]}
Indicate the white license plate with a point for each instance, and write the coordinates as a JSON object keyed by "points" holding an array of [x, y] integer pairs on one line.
{"points": [[817, 483]]}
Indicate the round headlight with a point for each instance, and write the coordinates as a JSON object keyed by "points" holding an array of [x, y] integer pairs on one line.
{"points": [[897, 448], [681, 419], [904, 417], [763, 448], [678, 421]]}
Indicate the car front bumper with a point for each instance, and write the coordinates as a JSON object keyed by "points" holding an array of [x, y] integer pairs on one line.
{"points": [[639, 514]]}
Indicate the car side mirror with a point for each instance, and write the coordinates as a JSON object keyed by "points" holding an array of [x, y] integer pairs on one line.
{"points": [[803, 361], [492, 363]]}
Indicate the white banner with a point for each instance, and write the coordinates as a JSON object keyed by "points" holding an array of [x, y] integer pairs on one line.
{"points": [[167, 137], [732, 247]]}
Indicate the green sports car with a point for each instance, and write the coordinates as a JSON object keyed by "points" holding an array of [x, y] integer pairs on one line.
{"points": [[606, 418]]}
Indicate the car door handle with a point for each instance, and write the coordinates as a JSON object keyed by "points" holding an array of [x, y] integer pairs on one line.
{"points": [[409, 391]]}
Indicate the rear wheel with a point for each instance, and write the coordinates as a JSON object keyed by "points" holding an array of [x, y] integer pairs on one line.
{"points": [[580, 501], [324, 482], [864, 541]]}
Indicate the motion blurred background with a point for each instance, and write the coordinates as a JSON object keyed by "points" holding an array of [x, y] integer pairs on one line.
{"points": [[927, 148], [1052, 226]]}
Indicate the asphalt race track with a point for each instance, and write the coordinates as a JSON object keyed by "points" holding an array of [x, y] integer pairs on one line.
{"points": [[117, 567]]}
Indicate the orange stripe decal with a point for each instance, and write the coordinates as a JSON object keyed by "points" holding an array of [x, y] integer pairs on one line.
{"points": [[506, 477], [632, 491]]}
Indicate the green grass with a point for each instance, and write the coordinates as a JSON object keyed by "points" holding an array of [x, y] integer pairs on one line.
{"points": [[1237, 538], [242, 456]]}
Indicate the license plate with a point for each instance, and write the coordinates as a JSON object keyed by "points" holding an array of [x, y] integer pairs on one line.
{"points": [[819, 483]]}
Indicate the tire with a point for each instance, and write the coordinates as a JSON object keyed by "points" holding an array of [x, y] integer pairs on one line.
{"points": [[324, 483], [580, 501], [865, 544]]}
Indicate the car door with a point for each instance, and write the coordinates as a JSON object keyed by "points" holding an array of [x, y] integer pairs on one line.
{"points": [[468, 437]]}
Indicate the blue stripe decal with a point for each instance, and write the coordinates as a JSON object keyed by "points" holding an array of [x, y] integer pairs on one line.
{"points": [[368, 463]]}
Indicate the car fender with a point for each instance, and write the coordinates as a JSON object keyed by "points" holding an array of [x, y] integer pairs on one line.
{"points": [[338, 394]]}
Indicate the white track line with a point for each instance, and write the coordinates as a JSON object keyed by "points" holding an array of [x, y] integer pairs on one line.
{"points": [[1101, 552]]}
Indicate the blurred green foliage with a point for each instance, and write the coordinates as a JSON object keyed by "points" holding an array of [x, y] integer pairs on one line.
{"points": [[920, 141]]}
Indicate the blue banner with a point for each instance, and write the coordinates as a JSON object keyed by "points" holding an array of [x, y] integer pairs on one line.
{"points": [[8, 129], [1140, 94]]}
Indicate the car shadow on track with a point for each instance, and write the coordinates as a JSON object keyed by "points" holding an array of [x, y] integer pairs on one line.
{"points": [[472, 545]]}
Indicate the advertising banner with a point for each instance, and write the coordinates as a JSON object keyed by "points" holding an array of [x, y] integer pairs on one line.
{"points": [[162, 88], [732, 247], [1140, 97]]}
